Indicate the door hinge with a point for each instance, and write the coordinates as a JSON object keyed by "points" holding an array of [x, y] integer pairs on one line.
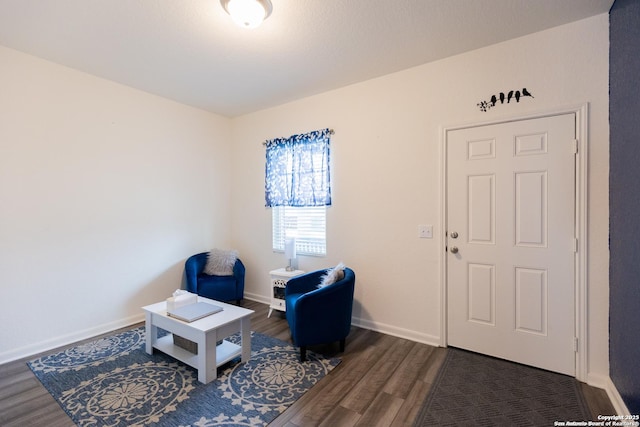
{"points": [[575, 245], [575, 344], [575, 146]]}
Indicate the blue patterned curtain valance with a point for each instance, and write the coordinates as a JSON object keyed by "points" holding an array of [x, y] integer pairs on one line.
{"points": [[297, 170]]}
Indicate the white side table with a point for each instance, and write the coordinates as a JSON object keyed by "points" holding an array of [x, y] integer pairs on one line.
{"points": [[279, 279]]}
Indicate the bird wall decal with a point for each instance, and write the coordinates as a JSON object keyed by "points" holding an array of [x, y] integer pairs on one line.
{"points": [[486, 105]]}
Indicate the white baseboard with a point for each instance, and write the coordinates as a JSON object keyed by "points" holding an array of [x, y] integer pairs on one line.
{"points": [[64, 340], [604, 382], [374, 326], [616, 399], [258, 298], [397, 332]]}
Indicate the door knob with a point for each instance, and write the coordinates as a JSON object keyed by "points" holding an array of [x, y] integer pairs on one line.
{"points": [[454, 234], [454, 249]]}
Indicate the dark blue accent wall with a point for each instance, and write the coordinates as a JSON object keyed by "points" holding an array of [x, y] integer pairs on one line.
{"points": [[624, 200]]}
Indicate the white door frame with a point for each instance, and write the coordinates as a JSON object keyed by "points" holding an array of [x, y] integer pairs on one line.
{"points": [[581, 280]]}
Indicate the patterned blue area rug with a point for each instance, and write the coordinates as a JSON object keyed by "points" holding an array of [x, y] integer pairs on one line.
{"points": [[114, 382]]}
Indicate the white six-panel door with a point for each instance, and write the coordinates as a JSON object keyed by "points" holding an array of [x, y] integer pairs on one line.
{"points": [[511, 241]]}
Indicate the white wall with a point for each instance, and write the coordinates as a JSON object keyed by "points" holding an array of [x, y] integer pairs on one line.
{"points": [[104, 191], [386, 169]]}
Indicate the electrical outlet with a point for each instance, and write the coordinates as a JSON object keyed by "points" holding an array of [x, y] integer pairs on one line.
{"points": [[425, 231]]}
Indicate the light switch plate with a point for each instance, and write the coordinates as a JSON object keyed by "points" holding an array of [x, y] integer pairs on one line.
{"points": [[425, 231]]}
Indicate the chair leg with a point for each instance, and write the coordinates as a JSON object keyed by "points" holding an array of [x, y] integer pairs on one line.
{"points": [[343, 342], [303, 353]]}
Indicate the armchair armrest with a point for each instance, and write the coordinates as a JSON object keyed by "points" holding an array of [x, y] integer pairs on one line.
{"points": [[305, 283], [239, 273], [194, 266], [321, 315]]}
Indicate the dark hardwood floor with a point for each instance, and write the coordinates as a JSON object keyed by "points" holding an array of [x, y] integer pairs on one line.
{"points": [[381, 381]]}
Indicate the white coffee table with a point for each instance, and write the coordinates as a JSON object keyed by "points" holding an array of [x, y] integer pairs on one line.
{"points": [[205, 332]]}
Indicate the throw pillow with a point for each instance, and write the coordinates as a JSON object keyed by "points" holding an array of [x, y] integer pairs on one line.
{"points": [[220, 262], [332, 276]]}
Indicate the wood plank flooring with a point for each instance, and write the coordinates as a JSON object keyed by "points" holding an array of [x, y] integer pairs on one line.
{"points": [[381, 381]]}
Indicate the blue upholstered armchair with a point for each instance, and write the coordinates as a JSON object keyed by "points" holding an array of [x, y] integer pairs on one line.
{"points": [[319, 315], [221, 288]]}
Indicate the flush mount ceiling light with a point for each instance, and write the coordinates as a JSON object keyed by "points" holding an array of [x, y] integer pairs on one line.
{"points": [[247, 13]]}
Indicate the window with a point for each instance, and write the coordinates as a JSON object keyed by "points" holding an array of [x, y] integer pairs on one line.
{"points": [[297, 188], [306, 224]]}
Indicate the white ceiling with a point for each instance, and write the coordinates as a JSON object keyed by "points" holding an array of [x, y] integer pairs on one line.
{"points": [[190, 50]]}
